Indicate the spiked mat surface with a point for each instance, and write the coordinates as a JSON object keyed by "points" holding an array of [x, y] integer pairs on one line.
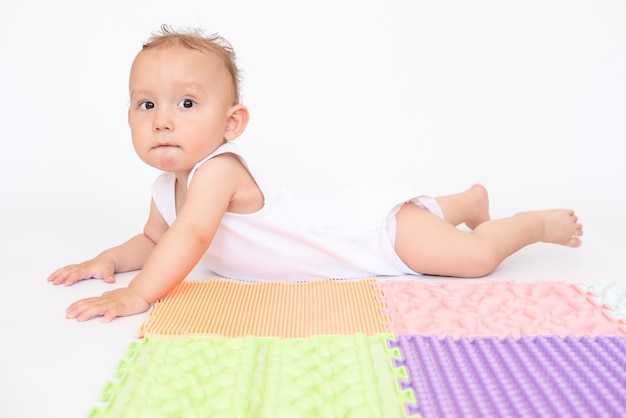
{"points": [[376, 348], [228, 308]]}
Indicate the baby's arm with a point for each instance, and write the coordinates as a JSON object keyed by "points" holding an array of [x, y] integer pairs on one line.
{"points": [[128, 256], [177, 252]]}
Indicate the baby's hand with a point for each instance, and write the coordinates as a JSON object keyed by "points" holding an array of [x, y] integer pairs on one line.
{"points": [[99, 268], [118, 302]]}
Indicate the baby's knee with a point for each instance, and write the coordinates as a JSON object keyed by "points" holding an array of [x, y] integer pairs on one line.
{"points": [[484, 261]]}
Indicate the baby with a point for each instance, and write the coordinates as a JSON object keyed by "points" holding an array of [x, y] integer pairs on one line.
{"points": [[209, 206]]}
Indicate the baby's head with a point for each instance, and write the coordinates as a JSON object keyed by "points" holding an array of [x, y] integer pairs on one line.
{"points": [[195, 39], [184, 99]]}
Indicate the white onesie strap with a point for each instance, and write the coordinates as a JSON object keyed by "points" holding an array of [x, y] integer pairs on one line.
{"points": [[163, 196], [229, 147]]}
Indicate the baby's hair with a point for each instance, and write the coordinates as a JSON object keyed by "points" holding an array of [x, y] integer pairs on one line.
{"points": [[195, 38]]}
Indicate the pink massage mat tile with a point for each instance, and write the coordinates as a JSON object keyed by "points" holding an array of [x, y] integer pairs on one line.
{"points": [[498, 309]]}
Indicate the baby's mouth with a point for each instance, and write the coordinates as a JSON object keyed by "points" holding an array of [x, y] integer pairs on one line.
{"points": [[165, 145]]}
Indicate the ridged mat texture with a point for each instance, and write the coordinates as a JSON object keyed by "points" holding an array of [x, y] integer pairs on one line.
{"points": [[227, 308], [376, 348]]}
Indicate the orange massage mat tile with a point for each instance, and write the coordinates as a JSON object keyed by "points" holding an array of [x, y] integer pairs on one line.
{"points": [[228, 308]]}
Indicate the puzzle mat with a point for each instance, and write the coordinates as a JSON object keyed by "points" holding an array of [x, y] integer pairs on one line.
{"points": [[376, 348]]}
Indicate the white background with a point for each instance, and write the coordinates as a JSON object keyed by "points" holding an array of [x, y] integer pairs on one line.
{"points": [[528, 98]]}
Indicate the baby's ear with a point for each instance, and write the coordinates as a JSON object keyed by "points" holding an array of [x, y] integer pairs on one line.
{"points": [[237, 122]]}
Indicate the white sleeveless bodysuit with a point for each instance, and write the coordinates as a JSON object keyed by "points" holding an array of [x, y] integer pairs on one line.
{"points": [[341, 235]]}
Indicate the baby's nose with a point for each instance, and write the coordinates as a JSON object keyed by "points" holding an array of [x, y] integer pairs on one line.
{"points": [[163, 121]]}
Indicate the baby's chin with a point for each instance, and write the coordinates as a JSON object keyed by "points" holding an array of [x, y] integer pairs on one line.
{"points": [[168, 159]]}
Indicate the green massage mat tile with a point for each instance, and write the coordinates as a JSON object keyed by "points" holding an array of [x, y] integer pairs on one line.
{"points": [[322, 376]]}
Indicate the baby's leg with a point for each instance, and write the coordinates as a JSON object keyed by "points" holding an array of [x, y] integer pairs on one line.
{"points": [[470, 207], [431, 245]]}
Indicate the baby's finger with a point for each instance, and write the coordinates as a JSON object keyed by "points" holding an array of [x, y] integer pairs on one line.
{"points": [[75, 308], [58, 276], [108, 276], [67, 275], [85, 309], [54, 277], [72, 278], [62, 278], [110, 314]]}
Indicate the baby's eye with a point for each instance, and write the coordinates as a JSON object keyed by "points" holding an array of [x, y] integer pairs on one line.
{"points": [[186, 103], [146, 105]]}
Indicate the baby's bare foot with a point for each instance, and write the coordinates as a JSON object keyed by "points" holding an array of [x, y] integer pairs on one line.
{"points": [[480, 197], [560, 226]]}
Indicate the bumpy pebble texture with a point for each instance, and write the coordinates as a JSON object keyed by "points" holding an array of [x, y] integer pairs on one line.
{"points": [[496, 309], [610, 294], [542, 376]]}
